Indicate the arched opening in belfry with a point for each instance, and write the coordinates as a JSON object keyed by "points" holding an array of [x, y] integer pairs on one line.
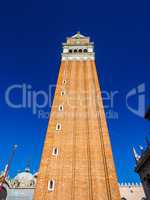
{"points": [[80, 50], [85, 50], [75, 51]]}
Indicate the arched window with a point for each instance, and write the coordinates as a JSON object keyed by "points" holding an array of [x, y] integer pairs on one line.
{"points": [[64, 81], [58, 127], [123, 198], [70, 50], [80, 50], [62, 93], [32, 183], [61, 108], [75, 51], [85, 50], [51, 185], [55, 151]]}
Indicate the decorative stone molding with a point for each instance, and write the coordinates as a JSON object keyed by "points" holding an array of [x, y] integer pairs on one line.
{"points": [[77, 57], [79, 48]]}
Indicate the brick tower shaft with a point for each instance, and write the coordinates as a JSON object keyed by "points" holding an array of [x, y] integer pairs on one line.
{"points": [[77, 161]]}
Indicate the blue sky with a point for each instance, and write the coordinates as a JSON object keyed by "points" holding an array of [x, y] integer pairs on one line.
{"points": [[31, 33]]}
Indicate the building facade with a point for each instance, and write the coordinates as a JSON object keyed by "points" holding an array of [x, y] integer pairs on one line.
{"points": [[128, 191], [77, 161], [131, 191], [22, 187], [143, 168]]}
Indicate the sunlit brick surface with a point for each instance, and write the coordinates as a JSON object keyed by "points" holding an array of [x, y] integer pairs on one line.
{"points": [[84, 168]]}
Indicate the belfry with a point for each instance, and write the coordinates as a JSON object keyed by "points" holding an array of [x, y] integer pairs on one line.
{"points": [[77, 161]]}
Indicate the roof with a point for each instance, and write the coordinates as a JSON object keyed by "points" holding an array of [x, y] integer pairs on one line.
{"points": [[78, 39], [78, 35], [24, 177]]}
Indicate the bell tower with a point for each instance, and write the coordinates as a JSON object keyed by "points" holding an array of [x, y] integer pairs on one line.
{"points": [[77, 161]]}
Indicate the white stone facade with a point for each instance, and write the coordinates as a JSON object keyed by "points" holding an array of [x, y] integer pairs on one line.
{"points": [[131, 191], [78, 47]]}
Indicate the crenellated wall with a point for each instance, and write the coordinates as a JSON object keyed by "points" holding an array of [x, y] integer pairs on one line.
{"points": [[131, 191]]}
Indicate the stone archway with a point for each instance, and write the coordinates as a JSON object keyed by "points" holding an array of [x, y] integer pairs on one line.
{"points": [[3, 194]]}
